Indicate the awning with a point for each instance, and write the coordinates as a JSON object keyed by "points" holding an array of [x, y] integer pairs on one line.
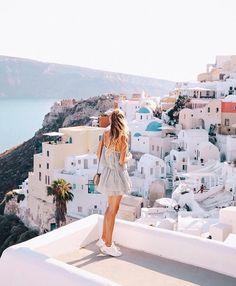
{"points": [[52, 134]]}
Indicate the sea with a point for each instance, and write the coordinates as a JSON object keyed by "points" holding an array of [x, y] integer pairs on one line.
{"points": [[20, 118]]}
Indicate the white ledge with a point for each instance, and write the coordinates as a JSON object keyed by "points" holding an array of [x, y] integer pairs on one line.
{"points": [[36, 263]]}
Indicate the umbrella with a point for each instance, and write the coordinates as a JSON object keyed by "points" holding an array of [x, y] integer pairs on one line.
{"points": [[167, 202]]}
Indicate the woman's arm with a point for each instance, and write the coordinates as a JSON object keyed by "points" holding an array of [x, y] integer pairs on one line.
{"points": [[123, 151]]}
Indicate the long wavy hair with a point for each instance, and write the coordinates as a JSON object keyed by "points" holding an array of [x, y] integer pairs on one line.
{"points": [[118, 127]]}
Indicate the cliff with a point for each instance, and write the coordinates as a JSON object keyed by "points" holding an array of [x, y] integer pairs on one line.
{"points": [[17, 162]]}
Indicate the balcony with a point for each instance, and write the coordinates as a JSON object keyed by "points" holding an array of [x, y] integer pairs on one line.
{"points": [[151, 256]]}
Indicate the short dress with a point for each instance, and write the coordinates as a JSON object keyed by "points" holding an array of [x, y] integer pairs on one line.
{"points": [[114, 179]]}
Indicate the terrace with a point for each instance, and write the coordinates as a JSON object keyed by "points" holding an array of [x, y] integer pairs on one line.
{"points": [[151, 256]]}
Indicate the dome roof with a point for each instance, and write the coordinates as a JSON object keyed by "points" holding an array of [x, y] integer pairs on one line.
{"points": [[144, 109], [137, 134], [154, 126]]}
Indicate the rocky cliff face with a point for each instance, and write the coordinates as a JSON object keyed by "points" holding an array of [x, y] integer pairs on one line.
{"points": [[17, 162]]}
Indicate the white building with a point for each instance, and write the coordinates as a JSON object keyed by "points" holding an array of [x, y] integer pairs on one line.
{"points": [[150, 169], [143, 117], [190, 138], [209, 114], [79, 172], [132, 105], [74, 141], [191, 150], [227, 146], [206, 151]]}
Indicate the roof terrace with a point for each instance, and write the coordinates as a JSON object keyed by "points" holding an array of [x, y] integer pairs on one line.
{"points": [[151, 256]]}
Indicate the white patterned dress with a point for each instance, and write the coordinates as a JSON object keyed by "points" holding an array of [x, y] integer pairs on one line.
{"points": [[114, 180]]}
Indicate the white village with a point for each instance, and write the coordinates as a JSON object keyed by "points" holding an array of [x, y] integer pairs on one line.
{"points": [[183, 173]]}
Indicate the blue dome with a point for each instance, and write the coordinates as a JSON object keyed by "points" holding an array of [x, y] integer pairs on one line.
{"points": [[144, 110], [154, 126], [137, 134]]}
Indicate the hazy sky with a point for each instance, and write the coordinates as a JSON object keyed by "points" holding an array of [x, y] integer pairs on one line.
{"points": [[169, 39]]}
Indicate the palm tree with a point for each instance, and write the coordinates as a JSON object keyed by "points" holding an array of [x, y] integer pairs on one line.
{"points": [[60, 190], [8, 196]]}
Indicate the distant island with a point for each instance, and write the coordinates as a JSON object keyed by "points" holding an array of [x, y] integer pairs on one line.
{"points": [[29, 78]]}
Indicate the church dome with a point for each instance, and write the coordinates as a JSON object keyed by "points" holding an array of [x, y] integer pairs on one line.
{"points": [[137, 134], [154, 126], [144, 109]]}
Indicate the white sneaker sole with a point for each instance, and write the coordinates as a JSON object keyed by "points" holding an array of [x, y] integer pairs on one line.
{"points": [[114, 254], [100, 244]]}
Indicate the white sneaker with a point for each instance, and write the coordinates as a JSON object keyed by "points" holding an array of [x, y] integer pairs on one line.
{"points": [[101, 242], [110, 250]]}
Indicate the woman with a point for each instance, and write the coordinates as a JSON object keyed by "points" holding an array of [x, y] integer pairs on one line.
{"points": [[114, 181]]}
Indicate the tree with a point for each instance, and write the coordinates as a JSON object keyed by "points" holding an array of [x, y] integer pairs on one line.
{"points": [[12, 231], [174, 112], [60, 190]]}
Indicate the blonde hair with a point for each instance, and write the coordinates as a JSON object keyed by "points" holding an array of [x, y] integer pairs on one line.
{"points": [[118, 127]]}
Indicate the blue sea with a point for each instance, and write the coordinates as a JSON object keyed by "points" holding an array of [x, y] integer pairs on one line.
{"points": [[20, 118]]}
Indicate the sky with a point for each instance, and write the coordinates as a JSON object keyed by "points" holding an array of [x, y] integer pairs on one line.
{"points": [[166, 39]]}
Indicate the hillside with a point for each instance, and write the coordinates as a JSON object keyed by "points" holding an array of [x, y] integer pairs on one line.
{"points": [[28, 78], [17, 162]]}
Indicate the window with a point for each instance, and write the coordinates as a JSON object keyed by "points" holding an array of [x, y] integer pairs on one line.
{"points": [[152, 147], [141, 170], [74, 186], [80, 209], [85, 163], [91, 187], [48, 180], [226, 122], [99, 137], [162, 170], [39, 165], [79, 162], [141, 117], [53, 226], [47, 165], [95, 161], [40, 176], [82, 187], [217, 109], [157, 148], [47, 153], [208, 109], [157, 163], [151, 171]]}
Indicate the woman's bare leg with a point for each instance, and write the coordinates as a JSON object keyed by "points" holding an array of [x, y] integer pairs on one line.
{"points": [[109, 218], [104, 231]]}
